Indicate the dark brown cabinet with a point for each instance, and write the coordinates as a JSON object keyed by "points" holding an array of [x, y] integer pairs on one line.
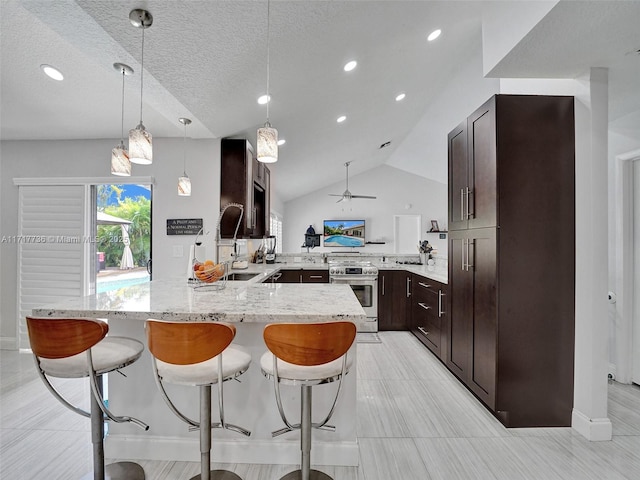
{"points": [[303, 276], [511, 294], [246, 181], [428, 312], [394, 294]]}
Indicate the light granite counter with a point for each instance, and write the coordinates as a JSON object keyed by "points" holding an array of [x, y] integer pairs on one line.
{"points": [[250, 402]]}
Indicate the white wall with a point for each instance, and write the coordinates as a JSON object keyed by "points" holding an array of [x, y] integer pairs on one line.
{"points": [[395, 190], [91, 158]]}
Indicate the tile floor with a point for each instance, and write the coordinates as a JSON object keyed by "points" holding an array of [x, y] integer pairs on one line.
{"points": [[415, 422]]}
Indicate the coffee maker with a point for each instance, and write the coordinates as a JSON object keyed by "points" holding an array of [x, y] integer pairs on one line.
{"points": [[270, 249]]}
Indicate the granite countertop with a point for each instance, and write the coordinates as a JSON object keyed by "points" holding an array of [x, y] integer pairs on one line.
{"points": [[248, 301]]}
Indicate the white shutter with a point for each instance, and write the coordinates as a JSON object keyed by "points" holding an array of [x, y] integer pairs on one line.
{"points": [[51, 247]]}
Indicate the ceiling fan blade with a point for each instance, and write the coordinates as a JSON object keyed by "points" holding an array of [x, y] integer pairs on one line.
{"points": [[340, 199], [363, 196], [336, 194]]}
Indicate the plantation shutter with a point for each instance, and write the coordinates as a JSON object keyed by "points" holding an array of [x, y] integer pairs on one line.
{"points": [[52, 247]]}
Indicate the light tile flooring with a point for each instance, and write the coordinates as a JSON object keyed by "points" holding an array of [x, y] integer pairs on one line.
{"points": [[415, 422]]}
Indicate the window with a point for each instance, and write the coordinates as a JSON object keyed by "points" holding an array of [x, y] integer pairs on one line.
{"points": [[275, 227]]}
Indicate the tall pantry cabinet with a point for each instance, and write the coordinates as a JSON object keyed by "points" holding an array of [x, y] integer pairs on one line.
{"points": [[510, 337]]}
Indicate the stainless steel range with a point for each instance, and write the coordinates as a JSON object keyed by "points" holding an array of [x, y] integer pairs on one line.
{"points": [[362, 277]]}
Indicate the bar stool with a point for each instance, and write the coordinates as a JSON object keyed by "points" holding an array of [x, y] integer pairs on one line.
{"points": [[307, 354], [76, 348], [198, 354]]}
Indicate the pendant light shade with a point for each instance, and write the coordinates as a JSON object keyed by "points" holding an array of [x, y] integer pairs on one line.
{"points": [[267, 144], [120, 163], [140, 140], [140, 146], [184, 182]]}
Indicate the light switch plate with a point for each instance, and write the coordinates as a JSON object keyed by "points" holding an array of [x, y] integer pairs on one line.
{"points": [[177, 251]]}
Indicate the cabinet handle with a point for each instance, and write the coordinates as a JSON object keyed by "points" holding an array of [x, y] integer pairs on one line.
{"points": [[426, 307], [315, 276], [383, 285], [423, 331], [424, 285], [440, 311], [408, 287], [468, 193], [276, 277], [469, 242], [464, 243], [462, 204]]}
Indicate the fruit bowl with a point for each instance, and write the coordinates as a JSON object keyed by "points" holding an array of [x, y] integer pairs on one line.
{"points": [[209, 273]]}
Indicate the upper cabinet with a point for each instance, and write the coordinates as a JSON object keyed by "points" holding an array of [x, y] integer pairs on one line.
{"points": [[472, 170], [246, 181]]}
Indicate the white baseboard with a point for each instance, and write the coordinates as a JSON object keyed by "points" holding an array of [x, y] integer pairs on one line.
{"points": [[8, 343], [593, 429], [228, 451]]}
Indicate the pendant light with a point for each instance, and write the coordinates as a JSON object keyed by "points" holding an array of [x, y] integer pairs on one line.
{"points": [[140, 146], [267, 138], [184, 183], [120, 163]]}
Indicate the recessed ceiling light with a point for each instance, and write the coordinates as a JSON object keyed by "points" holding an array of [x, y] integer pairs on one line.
{"points": [[341, 119], [350, 65], [433, 35], [264, 99], [400, 97], [282, 141], [52, 72]]}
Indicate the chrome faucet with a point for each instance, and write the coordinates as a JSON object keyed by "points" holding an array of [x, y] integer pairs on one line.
{"points": [[235, 234]]}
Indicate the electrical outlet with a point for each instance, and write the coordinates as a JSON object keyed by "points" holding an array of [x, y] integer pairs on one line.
{"points": [[177, 251]]}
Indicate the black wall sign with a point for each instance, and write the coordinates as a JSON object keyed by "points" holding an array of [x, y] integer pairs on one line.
{"points": [[183, 226]]}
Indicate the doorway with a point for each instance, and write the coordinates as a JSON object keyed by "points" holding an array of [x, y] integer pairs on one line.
{"points": [[627, 267], [123, 235]]}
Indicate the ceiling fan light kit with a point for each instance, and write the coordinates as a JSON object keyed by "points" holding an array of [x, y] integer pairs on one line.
{"points": [[347, 195]]}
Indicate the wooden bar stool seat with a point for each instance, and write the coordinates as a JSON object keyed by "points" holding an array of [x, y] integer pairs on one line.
{"points": [[198, 354], [77, 348], [305, 355]]}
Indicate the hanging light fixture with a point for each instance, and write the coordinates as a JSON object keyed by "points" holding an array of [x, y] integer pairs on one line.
{"points": [[120, 163], [140, 146], [267, 144], [184, 183]]}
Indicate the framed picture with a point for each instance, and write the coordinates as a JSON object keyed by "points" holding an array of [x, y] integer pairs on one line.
{"points": [[434, 226]]}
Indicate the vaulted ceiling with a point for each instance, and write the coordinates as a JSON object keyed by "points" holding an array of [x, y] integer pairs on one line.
{"points": [[206, 60]]}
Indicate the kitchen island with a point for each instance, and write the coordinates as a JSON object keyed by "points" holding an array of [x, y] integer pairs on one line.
{"points": [[249, 402]]}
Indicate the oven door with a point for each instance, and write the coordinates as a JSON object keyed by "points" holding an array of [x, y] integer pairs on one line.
{"points": [[366, 291]]}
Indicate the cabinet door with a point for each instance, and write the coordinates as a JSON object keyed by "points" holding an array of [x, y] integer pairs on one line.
{"points": [[315, 276], [236, 186], [394, 287], [458, 356], [290, 276], [458, 177], [481, 258], [481, 137]]}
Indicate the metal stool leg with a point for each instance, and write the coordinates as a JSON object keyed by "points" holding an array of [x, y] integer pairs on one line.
{"points": [[113, 471], [305, 472], [205, 442]]}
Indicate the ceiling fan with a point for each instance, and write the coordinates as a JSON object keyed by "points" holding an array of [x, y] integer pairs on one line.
{"points": [[347, 195]]}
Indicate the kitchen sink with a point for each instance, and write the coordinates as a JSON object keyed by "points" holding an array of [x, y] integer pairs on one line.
{"points": [[241, 276]]}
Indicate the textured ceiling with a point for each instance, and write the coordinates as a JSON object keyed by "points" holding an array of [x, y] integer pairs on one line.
{"points": [[206, 60]]}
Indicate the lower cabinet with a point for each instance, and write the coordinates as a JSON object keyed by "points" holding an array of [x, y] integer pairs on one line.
{"points": [[394, 294], [428, 315], [303, 276]]}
